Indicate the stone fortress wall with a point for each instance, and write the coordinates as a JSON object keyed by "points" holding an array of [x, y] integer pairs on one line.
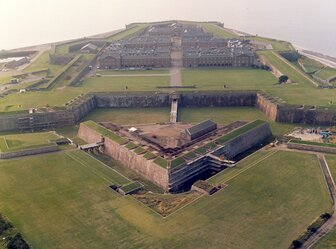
{"points": [[129, 158], [82, 106], [171, 179], [254, 137]]}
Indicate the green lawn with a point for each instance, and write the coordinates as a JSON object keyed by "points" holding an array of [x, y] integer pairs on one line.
{"points": [[63, 201], [329, 242], [16, 141], [129, 116], [233, 78], [131, 72], [141, 83], [60, 95]]}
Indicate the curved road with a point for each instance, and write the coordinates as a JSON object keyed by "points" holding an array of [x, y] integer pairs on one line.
{"points": [[331, 223]]}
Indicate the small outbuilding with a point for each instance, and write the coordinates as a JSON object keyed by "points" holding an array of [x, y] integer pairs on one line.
{"points": [[198, 130]]}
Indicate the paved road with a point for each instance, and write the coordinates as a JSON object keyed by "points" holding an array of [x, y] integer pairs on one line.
{"points": [[177, 64], [175, 77]]}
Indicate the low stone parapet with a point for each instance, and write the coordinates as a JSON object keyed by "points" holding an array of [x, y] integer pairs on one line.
{"points": [[310, 147], [29, 151]]}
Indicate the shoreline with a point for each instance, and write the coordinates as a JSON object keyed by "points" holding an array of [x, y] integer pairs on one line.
{"points": [[326, 60], [322, 58]]}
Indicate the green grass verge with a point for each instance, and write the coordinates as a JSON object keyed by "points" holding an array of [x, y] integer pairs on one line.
{"points": [[177, 162], [131, 146], [139, 150], [105, 132], [130, 187], [149, 155], [190, 155], [161, 162]]}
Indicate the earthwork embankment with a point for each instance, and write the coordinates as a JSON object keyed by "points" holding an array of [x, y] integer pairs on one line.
{"points": [[83, 105]]}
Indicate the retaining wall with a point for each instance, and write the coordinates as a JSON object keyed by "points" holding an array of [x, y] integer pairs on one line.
{"points": [[106, 100], [85, 104], [287, 114], [130, 159], [83, 107], [267, 106], [221, 99], [246, 141]]}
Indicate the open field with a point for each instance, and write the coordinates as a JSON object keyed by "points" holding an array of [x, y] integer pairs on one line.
{"points": [[131, 72], [60, 95], [141, 83], [16, 141], [63, 201], [233, 78], [130, 116]]}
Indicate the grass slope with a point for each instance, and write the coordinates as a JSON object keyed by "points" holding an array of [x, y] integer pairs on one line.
{"points": [[129, 116]]}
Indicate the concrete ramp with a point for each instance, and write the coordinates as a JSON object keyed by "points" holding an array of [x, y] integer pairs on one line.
{"points": [[173, 111]]}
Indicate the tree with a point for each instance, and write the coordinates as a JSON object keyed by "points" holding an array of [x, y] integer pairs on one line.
{"points": [[17, 242], [296, 243], [283, 79]]}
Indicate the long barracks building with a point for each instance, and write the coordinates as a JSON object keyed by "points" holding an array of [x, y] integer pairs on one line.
{"points": [[152, 49], [223, 57]]}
